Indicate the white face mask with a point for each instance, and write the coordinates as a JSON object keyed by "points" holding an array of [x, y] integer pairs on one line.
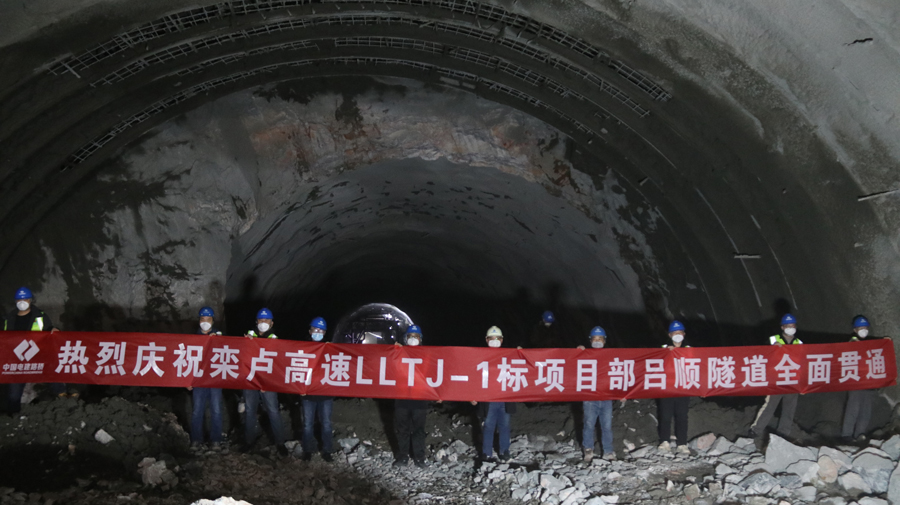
{"points": [[597, 345], [863, 333], [493, 343], [22, 305], [790, 331], [262, 327], [677, 338], [317, 336], [412, 341], [205, 326]]}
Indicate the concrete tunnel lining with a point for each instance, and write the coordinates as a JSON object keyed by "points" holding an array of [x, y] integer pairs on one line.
{"points": [[744, 157]]}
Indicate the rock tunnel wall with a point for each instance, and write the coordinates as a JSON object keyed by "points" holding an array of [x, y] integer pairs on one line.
{"points": [[738, 159]]}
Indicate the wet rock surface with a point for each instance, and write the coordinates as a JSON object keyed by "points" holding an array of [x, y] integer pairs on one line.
{"points": [[52, 455]]}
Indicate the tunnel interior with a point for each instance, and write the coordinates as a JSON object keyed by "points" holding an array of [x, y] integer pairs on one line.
{"points": [[474, 163]]}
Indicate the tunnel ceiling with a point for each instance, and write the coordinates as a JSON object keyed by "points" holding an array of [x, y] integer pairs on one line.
{"points": [[752, 148]]}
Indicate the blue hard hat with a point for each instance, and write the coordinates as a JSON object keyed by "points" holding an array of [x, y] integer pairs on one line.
{"points": [[788, 319], [207, 312], [23, 293], [676, 326], [860, 321], [598, 332], [548, 317], [318, 323], [264, 314], [414, 329]]}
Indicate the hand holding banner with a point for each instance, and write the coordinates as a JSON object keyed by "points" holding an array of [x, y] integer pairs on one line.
{"points": [[442, 373]]}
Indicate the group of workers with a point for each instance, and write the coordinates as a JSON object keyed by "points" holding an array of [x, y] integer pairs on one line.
{"points": [[410, 415]]}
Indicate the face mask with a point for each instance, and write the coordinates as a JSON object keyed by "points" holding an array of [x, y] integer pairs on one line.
{"points": [[23, 305], [493, 343], [677, 338], [790, 331], [205, 326], [597, 345], [412, 341], [863, 333], [317, 336], [262, 327]]}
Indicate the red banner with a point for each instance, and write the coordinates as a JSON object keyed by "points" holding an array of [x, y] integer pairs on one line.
{"points": [[442, 373]]}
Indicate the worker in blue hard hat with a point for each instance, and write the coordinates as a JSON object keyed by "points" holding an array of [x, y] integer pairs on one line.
{"points": [[28, 317], [201, 397], [252, 398], [595, 411], [858, 411], [409, 416], [546, 332], [314, 406], [787, 336], [674, 408]]}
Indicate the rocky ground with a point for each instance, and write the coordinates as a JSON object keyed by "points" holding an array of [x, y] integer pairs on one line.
{"points": [[123, 451]]}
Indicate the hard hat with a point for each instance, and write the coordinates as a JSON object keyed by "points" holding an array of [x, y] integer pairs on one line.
{"points": [[318, 323], [597, 332], [414, 329], [788, 319], [860, 321], [23, 293], [548, 317], [676, 326], [493, 331], [207, 312], [264, 314]]}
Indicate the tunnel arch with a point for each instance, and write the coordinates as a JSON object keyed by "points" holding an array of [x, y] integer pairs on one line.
{"points": [[729, 178]]}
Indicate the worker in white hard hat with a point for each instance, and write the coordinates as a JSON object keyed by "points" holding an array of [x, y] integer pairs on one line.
{"points": [[496, 415]]}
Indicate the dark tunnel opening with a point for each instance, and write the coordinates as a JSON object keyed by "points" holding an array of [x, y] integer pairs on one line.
{"points": [[448, 244]]}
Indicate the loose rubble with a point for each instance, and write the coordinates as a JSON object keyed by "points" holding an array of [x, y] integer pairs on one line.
{"points": [[544, 468]]}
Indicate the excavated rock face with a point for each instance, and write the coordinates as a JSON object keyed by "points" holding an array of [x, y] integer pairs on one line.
{"points": [[474, 163]]}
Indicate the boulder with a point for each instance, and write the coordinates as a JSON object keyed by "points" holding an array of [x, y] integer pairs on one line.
{"points": [[789, 481], [703, 442], [720, 446], [780, 453], [854, 484], [893, 493], [875, 469], [103, 437], [806, 493], [828, 469], [871, 500], [840, 458], [692, 492], [892, 447], [806, 470], [759, 483]]}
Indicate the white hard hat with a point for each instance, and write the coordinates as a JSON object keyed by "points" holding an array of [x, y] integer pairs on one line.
{"points": [[493, 331]]}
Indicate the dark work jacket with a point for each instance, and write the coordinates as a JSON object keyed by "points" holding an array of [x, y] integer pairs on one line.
{"points": [[15, 322], [543, 336], [212, 332]]}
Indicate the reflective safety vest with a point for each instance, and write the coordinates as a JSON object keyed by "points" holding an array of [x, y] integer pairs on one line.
{"points": [[37, 325], [776, 339], [854, 338], [253, 334]]}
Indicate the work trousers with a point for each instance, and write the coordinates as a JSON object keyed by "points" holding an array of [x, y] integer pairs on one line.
{"points": [[858, 412], [201, 397], [312, 407], [497, 420], [269, 399], [409, 425], [785, 422], [593, 412], [677, 408]]}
